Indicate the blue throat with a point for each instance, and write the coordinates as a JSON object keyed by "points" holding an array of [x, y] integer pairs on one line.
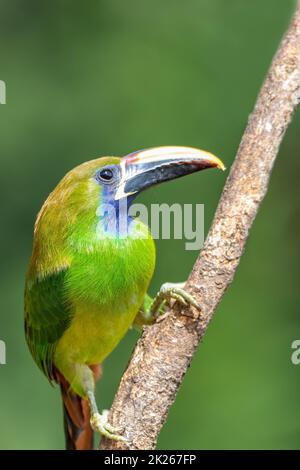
{"points": [[113, 215]]}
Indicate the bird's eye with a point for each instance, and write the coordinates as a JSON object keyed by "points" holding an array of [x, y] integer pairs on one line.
{"points": [[106, 175]]}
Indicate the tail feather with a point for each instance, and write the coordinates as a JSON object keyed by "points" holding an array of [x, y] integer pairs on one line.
{"points": [[78, 432]]}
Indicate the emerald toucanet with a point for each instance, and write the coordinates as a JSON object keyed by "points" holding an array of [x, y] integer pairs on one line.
{"points": [[86, 285]]}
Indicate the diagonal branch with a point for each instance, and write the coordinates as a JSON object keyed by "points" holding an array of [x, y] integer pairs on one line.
{"points": [[164, 352]]}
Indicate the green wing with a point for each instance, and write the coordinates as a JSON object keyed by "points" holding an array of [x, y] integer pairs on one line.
{"points": [[47, 315]]}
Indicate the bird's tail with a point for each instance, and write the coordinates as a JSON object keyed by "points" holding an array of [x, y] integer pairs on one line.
{"points": [[78, 431]]}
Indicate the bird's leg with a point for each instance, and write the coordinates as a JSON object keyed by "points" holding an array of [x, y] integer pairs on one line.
{"points": [[98, 420], [171, 292]]}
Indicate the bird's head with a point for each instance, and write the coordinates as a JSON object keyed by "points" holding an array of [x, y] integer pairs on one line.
{"points": [[110, 180]]}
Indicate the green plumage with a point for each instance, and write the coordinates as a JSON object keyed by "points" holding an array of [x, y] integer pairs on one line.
{"points": [[48, 314], [83, 290]]}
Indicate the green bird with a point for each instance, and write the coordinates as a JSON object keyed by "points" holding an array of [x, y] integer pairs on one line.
{"points": [[89, 273]]}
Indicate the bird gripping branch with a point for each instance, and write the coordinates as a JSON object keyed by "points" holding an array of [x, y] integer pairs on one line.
{"points": [[89, 274]]}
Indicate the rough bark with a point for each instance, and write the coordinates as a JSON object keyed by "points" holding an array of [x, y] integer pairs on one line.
{"points": [[164, 352]]}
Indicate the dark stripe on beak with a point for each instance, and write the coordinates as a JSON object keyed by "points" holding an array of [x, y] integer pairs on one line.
{"points": [[153, 166]]}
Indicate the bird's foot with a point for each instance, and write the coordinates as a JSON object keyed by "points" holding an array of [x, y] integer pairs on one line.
{"points": [[175, 291], [99, 423], [169, 293]]}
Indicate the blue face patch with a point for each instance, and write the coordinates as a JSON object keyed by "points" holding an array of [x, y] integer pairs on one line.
{"points": [[108, 178]]}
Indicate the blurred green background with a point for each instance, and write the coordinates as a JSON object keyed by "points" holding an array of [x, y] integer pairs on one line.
{"points": [[110, 76]]}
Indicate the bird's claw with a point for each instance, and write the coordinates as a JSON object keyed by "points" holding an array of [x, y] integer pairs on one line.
{"points": [[170, 291], [99, 423]]}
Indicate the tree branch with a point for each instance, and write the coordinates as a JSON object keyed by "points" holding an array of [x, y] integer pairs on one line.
{"points": [[164, 352]]}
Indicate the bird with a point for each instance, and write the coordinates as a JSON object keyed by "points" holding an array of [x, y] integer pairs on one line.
{"points": [[89, 273]]}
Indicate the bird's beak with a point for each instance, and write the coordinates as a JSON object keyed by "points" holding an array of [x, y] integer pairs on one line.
{"points": [[145, 168]]}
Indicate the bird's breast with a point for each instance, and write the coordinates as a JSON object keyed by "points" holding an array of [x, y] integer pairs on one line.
{"points": [[106, 284]]}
